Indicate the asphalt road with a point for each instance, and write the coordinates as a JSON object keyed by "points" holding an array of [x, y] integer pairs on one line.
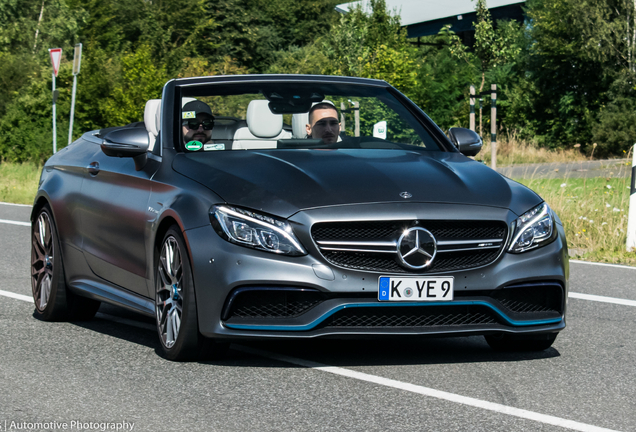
{"points": [[106, 373]]}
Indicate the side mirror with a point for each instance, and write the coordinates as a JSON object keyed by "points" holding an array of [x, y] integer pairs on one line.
{"points": [[467, 142], [127, 142]]}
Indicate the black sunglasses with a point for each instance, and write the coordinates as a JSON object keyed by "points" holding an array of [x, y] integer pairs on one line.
{"points": [[194, 124]]}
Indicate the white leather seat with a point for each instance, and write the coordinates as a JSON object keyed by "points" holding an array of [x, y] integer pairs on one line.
{"points": [[263, 129], [152, 121]]}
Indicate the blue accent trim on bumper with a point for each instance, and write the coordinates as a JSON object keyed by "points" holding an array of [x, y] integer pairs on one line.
{"points": [[319, 320]]}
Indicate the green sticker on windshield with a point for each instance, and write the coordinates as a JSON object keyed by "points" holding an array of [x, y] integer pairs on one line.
{"points": [[194, 145]]}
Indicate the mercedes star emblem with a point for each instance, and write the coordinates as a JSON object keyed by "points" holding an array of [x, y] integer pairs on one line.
{"points": [[417, 248], [405, 195]]}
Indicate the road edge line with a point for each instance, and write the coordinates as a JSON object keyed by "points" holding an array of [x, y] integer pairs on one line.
{"points": [[16, 296], [14, 204], [12, 222], [602, 299], [603, 264]]}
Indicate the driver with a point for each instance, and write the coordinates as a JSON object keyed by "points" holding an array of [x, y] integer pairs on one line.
{"points": [[323, 123], [197, 123]]}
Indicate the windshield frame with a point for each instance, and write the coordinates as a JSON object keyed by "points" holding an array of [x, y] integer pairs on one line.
{"points": [[186, 87]]}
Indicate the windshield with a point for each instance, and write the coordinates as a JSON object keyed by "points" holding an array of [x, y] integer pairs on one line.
{"points": [[284, 115]]}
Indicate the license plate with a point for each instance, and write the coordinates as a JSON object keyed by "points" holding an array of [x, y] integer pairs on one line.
{"points": [[415, 288]]}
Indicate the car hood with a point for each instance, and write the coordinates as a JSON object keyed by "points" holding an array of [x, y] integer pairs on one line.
{"points": [[282, 182]]}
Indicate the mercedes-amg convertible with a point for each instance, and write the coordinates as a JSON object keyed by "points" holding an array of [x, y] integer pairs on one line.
{"points": [[273, 206]]}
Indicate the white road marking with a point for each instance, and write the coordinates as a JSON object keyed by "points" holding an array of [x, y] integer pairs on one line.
{"points": [[18, 205], [103, 316], [12, 222], [603, 264], [602, 299], [413, 388], [426, 391], [16, 296]]}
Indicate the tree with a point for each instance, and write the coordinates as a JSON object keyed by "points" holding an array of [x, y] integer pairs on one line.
{"points": [[492, 46]]}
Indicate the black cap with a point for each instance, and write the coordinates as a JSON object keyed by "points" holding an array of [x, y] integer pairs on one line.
{"points": [[198, 107]]}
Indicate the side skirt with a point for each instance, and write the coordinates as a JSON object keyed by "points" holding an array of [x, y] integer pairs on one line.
{"points": [[115, 296]]}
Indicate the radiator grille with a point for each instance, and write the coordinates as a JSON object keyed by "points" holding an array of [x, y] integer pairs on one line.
{"points": [[372, 246]]}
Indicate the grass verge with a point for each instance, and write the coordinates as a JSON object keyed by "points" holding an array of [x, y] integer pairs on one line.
{"points": [[511, 150], [19, 182], [594, 213]]}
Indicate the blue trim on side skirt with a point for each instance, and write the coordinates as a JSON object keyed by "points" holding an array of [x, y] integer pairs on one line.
{"points": [[320, 319]]}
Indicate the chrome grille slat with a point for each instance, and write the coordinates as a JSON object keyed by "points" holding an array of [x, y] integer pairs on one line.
{"points": [[468, 249], [358, 243], [454, 242], [358, 250]]}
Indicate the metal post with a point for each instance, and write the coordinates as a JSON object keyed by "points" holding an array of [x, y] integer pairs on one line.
{"points": [[481, 105], [631, 220], [343, 126], [76, 68], [70, 127], [54, 125], [472, 108], [493, 126], [356, 117]]}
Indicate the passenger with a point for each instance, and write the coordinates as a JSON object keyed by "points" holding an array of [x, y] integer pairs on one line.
{"points": [[197, 122], [323, 123]]}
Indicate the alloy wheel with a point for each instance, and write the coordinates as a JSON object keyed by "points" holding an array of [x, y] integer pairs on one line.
{"points": [[42, 261], [169, 297]]}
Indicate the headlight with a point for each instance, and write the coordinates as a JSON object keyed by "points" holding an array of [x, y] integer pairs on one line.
{"points": [[533, 229], [255, 230]]}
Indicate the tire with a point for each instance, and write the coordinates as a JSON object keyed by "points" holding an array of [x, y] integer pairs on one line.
{"points": [[53, 301], [175, 304], [511, 343]]}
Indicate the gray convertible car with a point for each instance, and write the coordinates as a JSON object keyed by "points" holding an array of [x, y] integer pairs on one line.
{"points": [[273, 206]]}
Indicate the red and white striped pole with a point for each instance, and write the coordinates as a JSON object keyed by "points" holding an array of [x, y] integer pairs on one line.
{"points": [[631, 221]]}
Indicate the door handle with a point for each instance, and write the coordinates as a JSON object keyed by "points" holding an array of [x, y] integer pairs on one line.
{"points": [[93, 168]]}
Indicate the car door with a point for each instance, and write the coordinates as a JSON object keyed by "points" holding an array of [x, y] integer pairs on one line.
{"points": [[115, 220]]}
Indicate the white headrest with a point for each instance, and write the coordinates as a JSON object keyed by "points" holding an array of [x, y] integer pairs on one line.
{"points": [[261, 121], [185, 100], [299, 125], [152, 116]]}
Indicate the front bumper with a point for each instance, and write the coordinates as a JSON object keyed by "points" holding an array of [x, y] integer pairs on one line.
{"points": [[221, 268]]}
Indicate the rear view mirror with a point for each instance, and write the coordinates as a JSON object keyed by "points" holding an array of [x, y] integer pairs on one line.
{"points": [[466, 141]]}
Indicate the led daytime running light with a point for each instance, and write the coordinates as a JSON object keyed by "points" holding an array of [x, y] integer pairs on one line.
{"points": [[268, 223], [526, 222]]}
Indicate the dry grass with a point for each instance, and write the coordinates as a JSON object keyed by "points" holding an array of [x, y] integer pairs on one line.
{"points": [[19, 182], [513, 150]]}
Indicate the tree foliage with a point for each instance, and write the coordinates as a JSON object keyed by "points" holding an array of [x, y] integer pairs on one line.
{"points": [[578, 50], [493, 47]]}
